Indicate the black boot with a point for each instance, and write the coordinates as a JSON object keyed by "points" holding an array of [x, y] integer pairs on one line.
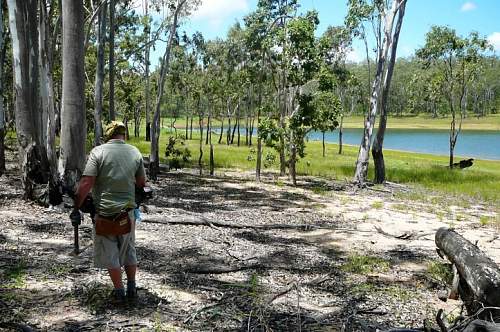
{"points": [[117, 297], [131, 290]]}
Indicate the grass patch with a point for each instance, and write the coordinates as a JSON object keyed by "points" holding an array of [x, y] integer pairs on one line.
{"points": [[15, 276], [440, 272], [94, 296], [398, 292], [319, 190], [489, 220], [361, 264], [363, 288], [377, 205], [59, 270], [400, 207]]}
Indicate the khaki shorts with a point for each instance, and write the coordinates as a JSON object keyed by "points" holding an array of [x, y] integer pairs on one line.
{"points": [[115, 251]]}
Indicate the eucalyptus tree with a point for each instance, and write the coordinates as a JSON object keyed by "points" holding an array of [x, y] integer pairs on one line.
{"points": [[112, 28], [176, 8], [73, 121], [257, 27], [23, 18], [99, 75], [48, 27], [386, 37], [2, 111], [302, 57], [458, 59]]}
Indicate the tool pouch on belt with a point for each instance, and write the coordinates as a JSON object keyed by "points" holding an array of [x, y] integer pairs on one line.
{"points": [[113, 225]]}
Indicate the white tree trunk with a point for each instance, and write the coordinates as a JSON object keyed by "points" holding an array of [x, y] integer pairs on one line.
{"points": [[378, 156], [112, 115], [147, 93], [2, 111], [32, 155], [361, 172], [47, 93], [155, 130], [73, 122], [99, 75]]}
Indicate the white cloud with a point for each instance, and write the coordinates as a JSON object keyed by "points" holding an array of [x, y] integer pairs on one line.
{"points": [[215, 11], [468, 6], [494, 40]]}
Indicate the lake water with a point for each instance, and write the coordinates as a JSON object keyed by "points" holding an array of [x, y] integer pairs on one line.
{"points": [[480, 144], [470, 143]]}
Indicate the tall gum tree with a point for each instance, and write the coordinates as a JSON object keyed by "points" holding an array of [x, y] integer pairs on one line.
{"points": [[112, 28], [73, 121], [385, 14], [178, 7], [377, 154], [47, 48], [2, 111], [32, 155], [99, 75]]}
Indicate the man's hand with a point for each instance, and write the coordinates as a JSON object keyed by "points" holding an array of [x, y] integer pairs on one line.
{"points": [[76, 217]]}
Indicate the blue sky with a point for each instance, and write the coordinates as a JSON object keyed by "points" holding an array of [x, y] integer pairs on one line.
{"points": [[214, 17]]}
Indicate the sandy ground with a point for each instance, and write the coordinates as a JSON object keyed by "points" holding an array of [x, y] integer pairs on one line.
{"points": [[263, 256]]}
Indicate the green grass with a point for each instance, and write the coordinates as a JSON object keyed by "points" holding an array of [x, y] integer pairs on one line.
{"points": [[440, 272], [481, 182], [361, 264], [377, 205], [14, 277]]}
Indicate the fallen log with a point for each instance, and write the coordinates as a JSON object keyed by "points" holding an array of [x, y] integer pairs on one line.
{"points": [[479, 275]]}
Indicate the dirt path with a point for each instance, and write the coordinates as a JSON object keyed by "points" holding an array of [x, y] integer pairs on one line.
{"points": [[262, 256]]}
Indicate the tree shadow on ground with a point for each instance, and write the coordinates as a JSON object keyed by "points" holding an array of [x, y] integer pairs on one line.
{"points": [[263, 284], [185, 188]]}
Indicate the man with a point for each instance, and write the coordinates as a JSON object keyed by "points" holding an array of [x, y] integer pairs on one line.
{"points": [[113, 171]]}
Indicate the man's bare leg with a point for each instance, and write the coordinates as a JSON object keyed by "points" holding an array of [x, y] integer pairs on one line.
{"points": [[116, 277]]}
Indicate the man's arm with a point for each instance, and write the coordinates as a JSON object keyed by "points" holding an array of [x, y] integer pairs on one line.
{"points": [[84, 186]]}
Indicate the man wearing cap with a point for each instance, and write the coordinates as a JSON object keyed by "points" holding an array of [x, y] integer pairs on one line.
{"points": [[113, 170]]}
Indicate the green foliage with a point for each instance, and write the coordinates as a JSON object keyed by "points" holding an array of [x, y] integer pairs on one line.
{"points": [[178, 155], [328, 108], [270, 132]]}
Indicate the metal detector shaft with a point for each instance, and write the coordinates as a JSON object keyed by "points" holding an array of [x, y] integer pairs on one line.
{"points": [[76, 243]]}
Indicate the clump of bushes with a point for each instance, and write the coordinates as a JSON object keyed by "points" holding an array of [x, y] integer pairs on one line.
{"points": [[177, 154]]}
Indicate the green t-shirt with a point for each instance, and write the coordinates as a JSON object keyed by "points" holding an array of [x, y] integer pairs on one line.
{"points": [[115, 166]]}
